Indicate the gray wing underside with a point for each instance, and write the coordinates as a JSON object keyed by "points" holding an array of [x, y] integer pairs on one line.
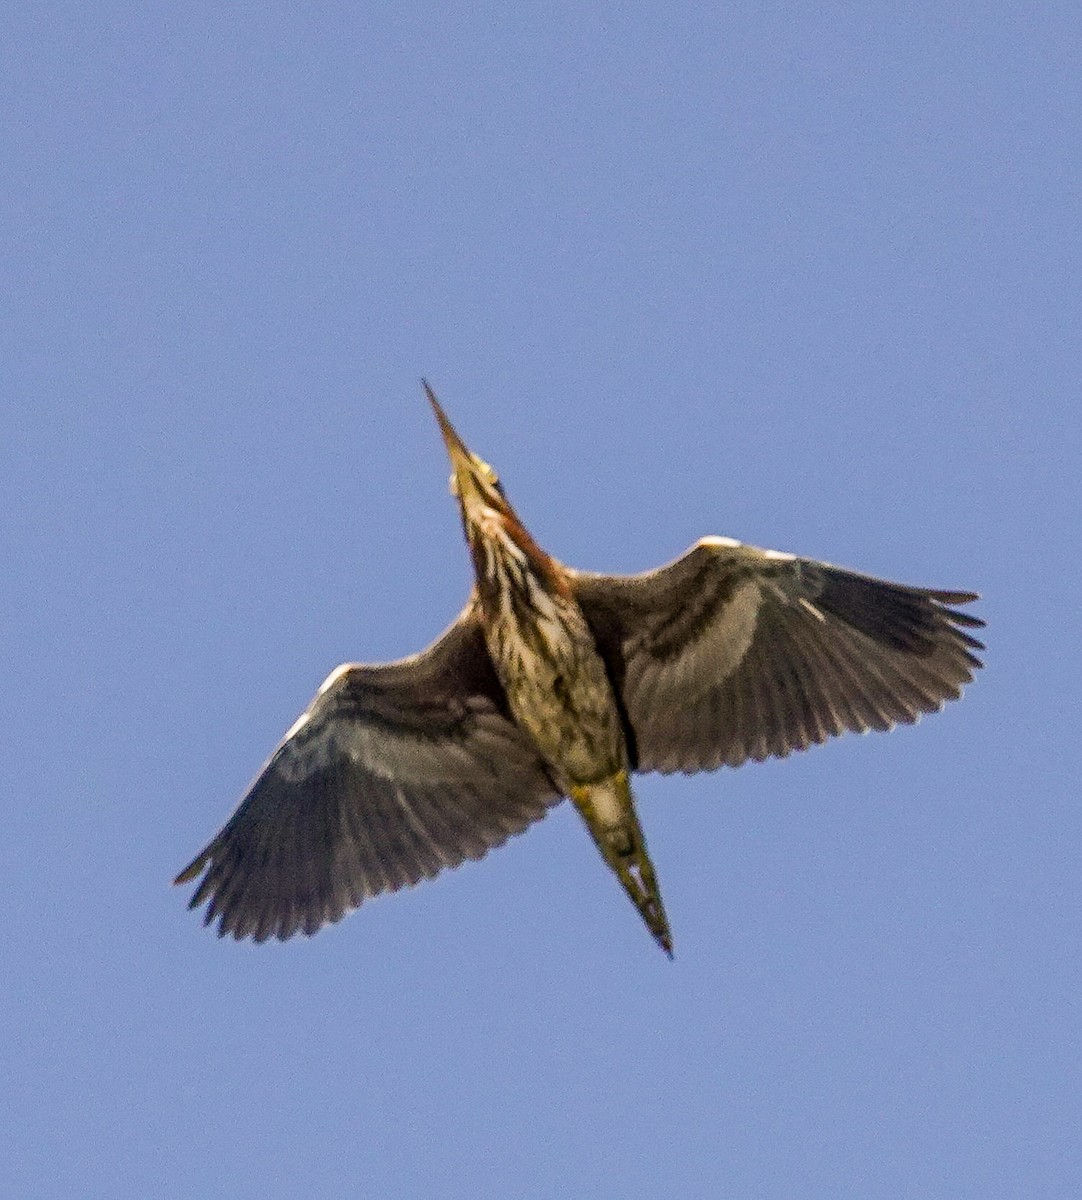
{"points": [[393, 773], [733, 653]]}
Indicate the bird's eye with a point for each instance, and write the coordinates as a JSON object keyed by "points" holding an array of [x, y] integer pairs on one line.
{"points": [[486, 473]]}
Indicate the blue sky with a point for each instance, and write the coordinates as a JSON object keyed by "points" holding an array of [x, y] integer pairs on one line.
{"points": [[805, 275]]}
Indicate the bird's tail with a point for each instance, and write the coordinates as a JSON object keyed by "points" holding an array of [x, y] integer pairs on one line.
{"points": [[608, 809]]}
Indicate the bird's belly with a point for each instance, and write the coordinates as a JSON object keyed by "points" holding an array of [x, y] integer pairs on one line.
{"points": [[559, 694]]}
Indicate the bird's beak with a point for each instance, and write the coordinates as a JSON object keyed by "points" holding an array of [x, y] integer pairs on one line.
{"points": [[463, 463], [456, 447]]}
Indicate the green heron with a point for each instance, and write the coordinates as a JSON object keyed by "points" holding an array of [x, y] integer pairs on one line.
{"points": [[552, 683]]}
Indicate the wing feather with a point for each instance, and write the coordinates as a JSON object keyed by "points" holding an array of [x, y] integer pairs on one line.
{"points": [[393, 773], [733, 653]]}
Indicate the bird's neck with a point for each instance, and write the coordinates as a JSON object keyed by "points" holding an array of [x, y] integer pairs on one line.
{"points": [[511, 568]]}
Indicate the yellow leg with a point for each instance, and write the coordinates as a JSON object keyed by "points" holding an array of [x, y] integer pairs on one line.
{"points": [[609, 812]]}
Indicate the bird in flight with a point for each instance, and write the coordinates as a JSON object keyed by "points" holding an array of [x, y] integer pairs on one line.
{"points": [[554, 683]]}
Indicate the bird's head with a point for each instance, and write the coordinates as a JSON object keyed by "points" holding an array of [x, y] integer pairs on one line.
{"points": [[474, 483], [497, 538]]}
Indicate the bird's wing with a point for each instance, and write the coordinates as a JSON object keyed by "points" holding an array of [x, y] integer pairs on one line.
{"points": [[732, 652], [392, 773]]}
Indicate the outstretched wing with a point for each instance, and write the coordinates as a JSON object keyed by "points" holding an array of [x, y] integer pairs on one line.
{"points": [[732, 652], [392, 773]]}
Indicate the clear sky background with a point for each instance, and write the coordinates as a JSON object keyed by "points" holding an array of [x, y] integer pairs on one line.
{"points": [[805, 275]]}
